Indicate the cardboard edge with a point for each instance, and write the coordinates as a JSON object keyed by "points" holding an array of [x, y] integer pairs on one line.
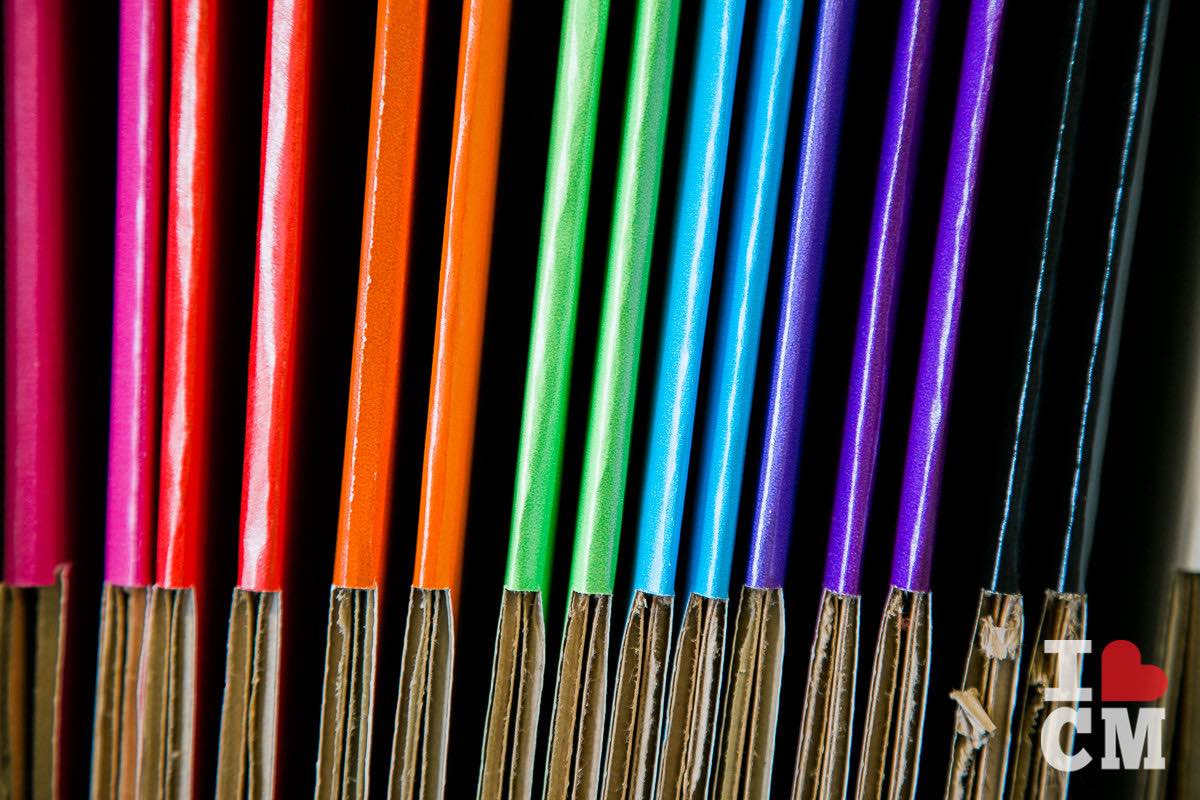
{"points": [[167, 692], [33, 628], [823, 753], [693, 707], [635, 730], [746, 752], [115, 720], [14, 691], [348, 696], [1180, 654], [985, 700], [580, 695], [1064, 616], [250, 701], [891, 746], [514, 704], [419, 744]]}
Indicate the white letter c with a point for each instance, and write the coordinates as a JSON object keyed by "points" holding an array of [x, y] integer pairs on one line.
{"points": [[1052, 735]]}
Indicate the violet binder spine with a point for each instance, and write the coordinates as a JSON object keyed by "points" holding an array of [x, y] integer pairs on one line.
{"points": [[822, 758], [895, 715]]}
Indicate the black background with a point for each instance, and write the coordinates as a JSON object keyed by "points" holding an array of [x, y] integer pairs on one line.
{"points": [[1129, 570]]}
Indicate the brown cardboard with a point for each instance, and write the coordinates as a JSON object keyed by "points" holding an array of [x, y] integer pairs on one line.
{"points": [[14, 693], [691, 717], [250, 703], [984, 703], [115, 727], [580, 694], [747, 745], [31, 687], [347, 702], [1181, 660], [423, 707], [167, 689], [1064, 616], [636, 727], [510, 733], [891, 747], [823, 754]]}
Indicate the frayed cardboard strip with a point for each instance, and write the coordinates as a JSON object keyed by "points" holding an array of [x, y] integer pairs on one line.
{"points": [[580, 695], [348, 697], [823, 754], [1064, 616], [168, 690], [115, 726], [691, 717], [636, 728], [747, 746], [1180, 654], [423, 708], [33, 629], [984, 703], [891, 747], [510, 733], [250, 704]]}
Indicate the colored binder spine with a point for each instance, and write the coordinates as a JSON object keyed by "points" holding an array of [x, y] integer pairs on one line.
{"points": [[696, 675], [347, 711], [506, 765], [134, 408], [137, 286], [985, 699], [423, 707], [822, 760], [1064, 607], [746, 751], [632, 754], [170, 666], [581, 691], [891, 745], [36, 518], [246, 764]]}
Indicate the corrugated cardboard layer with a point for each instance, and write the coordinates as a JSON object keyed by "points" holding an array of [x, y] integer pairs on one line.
{"points": [[983, 718], [891, 745], [510, 734], [423, 707], [580, 694], [32, 640], [1064, 616], [1181, 659], [633, 739], [691, 717], [347, 702], [747, 748], [823, 755], [168, 681], [114, 731], [250, 707]]}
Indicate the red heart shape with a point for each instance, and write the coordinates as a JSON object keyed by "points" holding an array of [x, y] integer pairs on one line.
{"points": [[1125, 679]]}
